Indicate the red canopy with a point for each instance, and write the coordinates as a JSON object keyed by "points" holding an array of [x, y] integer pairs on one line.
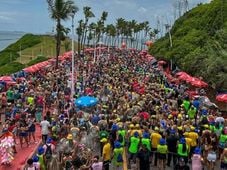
{"points": [[222, 98], [6, 78], [198, 83], [181, 73]]}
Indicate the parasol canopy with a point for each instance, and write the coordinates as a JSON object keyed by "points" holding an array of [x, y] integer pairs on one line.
{"points": [[222, 98], [6, 78], [86, 101]]}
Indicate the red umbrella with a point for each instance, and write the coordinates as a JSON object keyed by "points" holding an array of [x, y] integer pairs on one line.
{"points": [[6, 78], [222, 98], [181, 73], [185, 77], [144, 115], [199, 83]]}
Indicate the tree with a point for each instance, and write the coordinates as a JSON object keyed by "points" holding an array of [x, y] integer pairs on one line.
{"points": [[87, 15], [60, 10], [79, 31], [101, 25]]}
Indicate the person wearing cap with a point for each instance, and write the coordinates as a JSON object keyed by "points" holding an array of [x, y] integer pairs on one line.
{"points": [[134, 142], [172, 147], [40, 155], [197, 159], [118, 156], [155, 138], [36, 162], [102, 134], [45, 125], [143, 158], [194, 138], [96, 164], [121, 134], [223, 159], [106, 153], [183, 150], [146, 141], [162, 150]]}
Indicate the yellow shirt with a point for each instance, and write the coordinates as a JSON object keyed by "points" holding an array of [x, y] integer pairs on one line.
{"points": [[188, 142], [155, 138], [106, 152], [193, 136]]}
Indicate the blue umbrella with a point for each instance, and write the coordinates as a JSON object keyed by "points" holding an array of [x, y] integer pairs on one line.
{"points": [[86, 101]]}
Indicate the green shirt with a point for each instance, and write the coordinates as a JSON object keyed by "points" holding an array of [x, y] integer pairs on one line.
{"points": [[191, 113], [163, 149], [116, 152], [9, 95], [223, 138], [123, 134], [41, 162], [134, 144], [146, 142], [180, 150], [186, 104]]}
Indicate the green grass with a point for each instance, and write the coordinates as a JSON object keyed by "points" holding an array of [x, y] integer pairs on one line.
{"points": [[11, 68]]}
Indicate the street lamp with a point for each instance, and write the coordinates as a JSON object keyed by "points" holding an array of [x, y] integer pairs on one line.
{"points": [[73, 59]]}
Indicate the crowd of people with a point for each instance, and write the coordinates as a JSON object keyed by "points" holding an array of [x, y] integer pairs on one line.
{"points": [[141, 119]]}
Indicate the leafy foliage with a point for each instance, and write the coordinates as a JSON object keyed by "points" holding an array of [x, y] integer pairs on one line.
{"points": [[11, 68], [37, 60], [199, 43]]}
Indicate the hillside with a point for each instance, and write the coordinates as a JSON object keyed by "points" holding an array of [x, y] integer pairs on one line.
{"points": [[199, 43], [32, 49]]}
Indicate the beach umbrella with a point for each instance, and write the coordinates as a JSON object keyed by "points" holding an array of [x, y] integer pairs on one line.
{"points": [[123, 45], [222, 98], [181, 73], [86, 101], [6, 78], [198, 83]]}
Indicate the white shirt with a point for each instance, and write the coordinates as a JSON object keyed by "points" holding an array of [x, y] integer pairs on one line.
{"points": [[44, 126], [97, 166]]}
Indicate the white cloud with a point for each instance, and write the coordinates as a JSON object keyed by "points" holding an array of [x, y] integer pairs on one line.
{"points": [[142, 10]]}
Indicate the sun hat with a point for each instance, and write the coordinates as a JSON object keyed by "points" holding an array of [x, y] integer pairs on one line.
{"points": [[70, 137], [137, 126], [40, 150], [103, 140], [131, 126], [156, 128], [162, 141]]}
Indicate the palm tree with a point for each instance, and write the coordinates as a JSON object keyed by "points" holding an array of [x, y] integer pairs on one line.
{"points": [[60, 10], [79, 31], [87, 15], [101, 25]]}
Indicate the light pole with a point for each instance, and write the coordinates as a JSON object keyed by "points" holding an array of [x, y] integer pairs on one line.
{"points": [[73, 60]]}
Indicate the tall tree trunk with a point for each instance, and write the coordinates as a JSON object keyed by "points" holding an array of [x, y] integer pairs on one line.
{"points": [[58, 43], [85, 37]]}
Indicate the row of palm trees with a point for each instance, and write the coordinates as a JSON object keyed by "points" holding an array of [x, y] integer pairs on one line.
{"points": [[133, 33]]}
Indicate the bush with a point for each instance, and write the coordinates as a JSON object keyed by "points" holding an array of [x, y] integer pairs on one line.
{"points": [[11, 68], [37, 60]]}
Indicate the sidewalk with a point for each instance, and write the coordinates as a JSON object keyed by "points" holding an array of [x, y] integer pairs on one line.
{"points": [[24, 153]]}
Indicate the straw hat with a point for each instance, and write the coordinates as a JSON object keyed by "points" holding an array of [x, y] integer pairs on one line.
{"points": [[70, 137]]}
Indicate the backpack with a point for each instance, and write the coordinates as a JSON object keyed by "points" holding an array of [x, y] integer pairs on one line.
{"points": [[119, 158], [48, 153]]}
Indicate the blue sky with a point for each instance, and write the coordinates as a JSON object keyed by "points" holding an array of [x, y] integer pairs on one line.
{"points": [[32, 15]]}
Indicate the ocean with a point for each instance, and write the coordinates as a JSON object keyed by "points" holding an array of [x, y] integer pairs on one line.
{"points": [[9, 37]]}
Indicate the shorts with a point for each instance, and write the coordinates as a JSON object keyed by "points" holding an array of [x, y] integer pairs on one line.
{"points": [[161, 156], [211, 157], [23, 134], [31, 128]]}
